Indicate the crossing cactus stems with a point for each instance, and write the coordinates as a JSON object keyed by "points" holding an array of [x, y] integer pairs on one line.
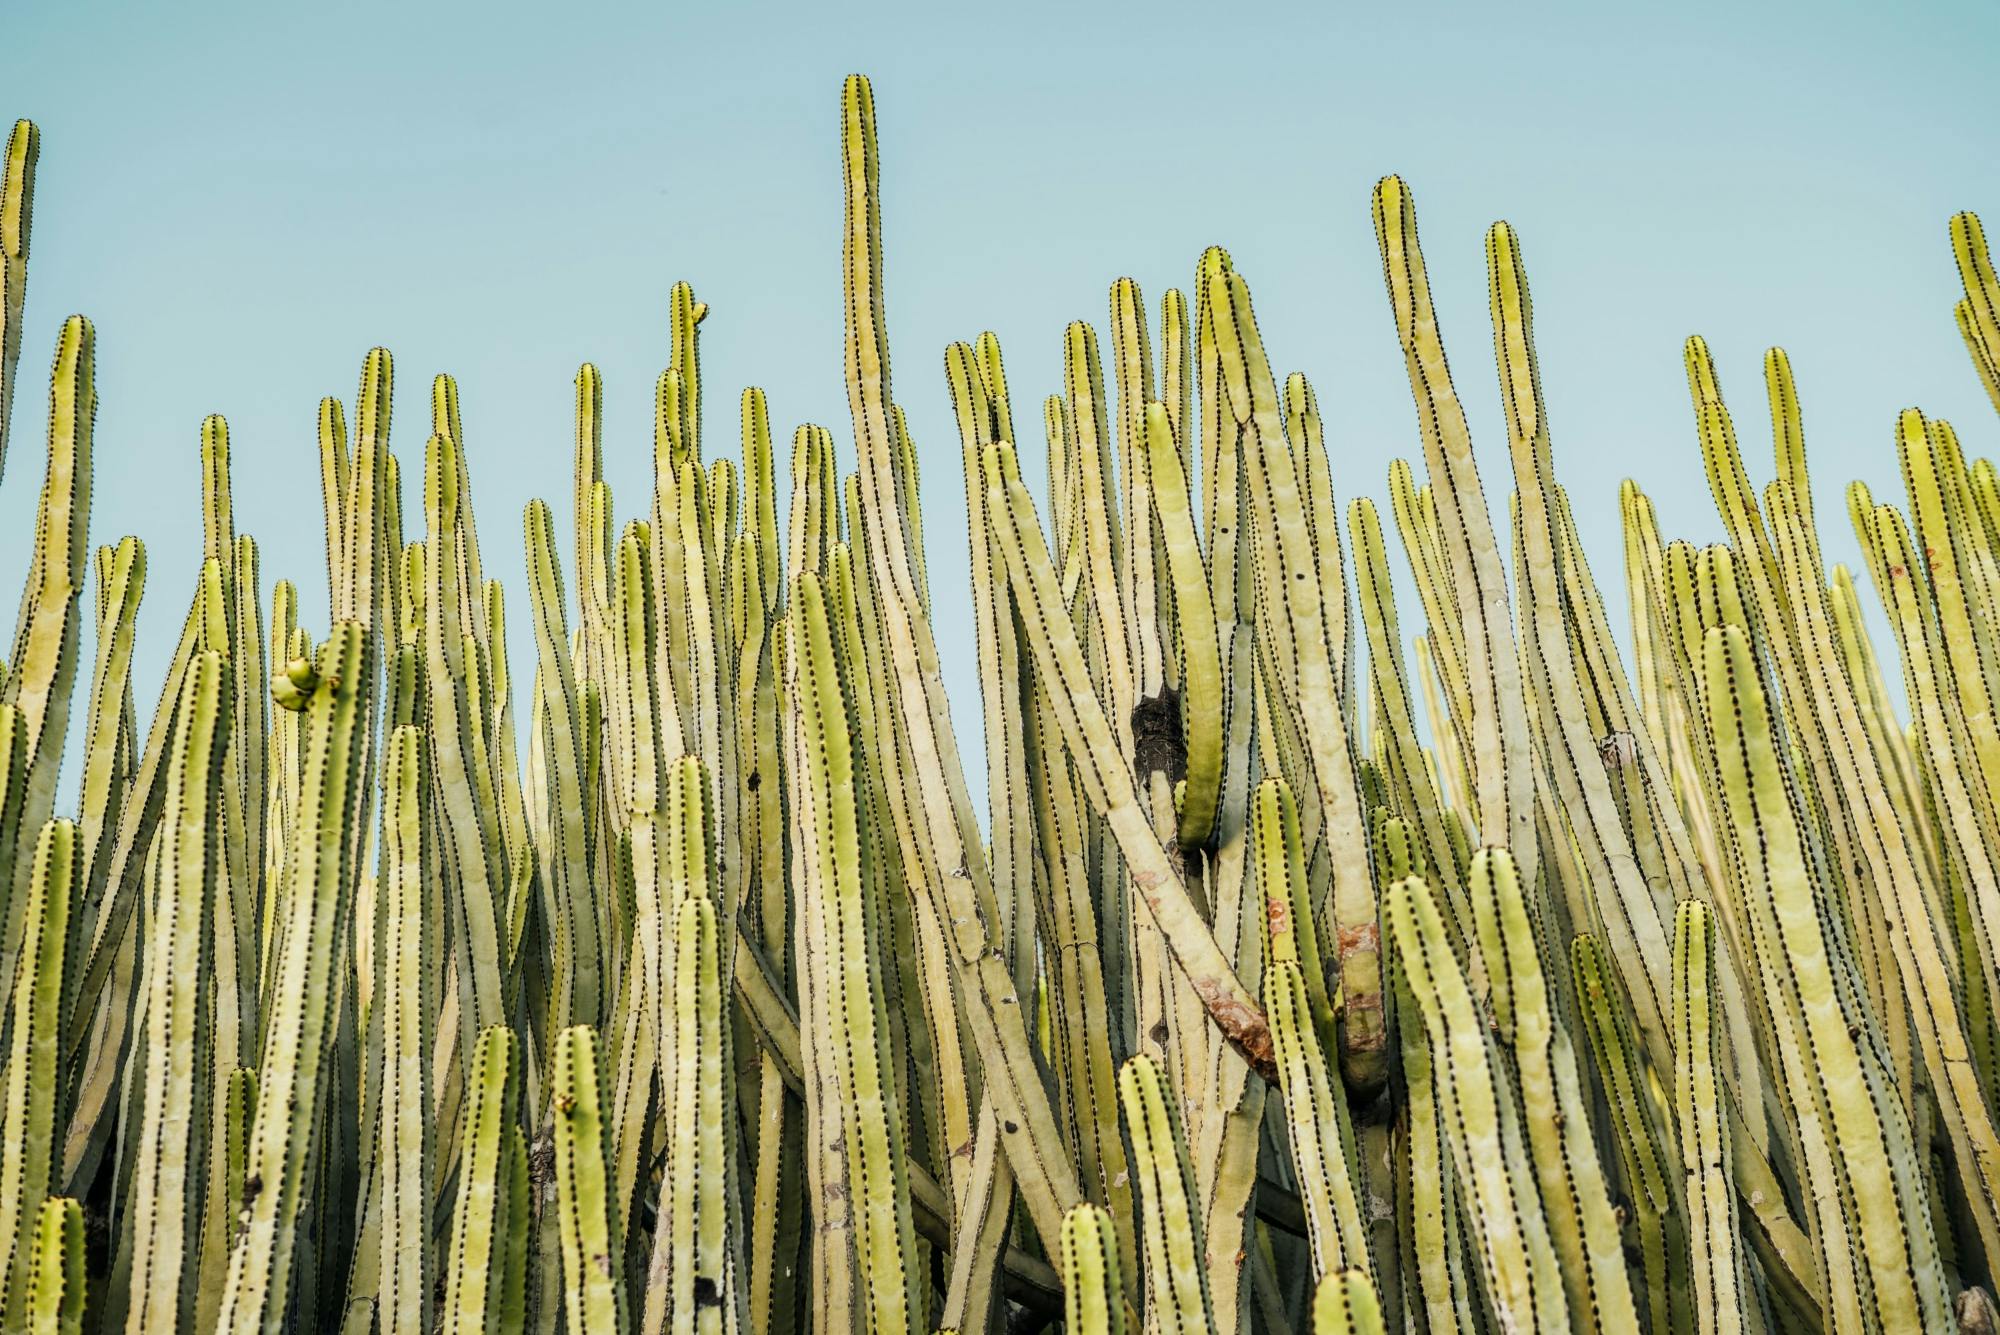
{"points": [[1293, 976]]}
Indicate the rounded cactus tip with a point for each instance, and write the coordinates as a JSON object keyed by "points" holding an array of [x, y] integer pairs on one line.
{"points": [[293, 687]]}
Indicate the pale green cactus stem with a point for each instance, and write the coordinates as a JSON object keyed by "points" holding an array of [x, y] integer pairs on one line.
{"points": [[1978, 314], [31, 1078], [1316, 1116], [170, 1103], [408, 968], [1500, 749], [1851, 1134], [1631, 916], [468, 836], [1646, 1149], [1555, 1120], [566, 858], [593, 1287], [1278, 854], [590, 521], [17, 216], [42, 666], [228, 1158], [1000, 672], [697, 1183], [1106, 776], [485, 1260], [1169, 1218], [1345, 1304], [870, 1119], [1430, 1253], [937, 828], [1407, 769], [97, 1034], [1907, 903], [56, 1280], [107, 768], [322, 877], [1718, 1284], [1199, 667], [1298, 654], [1093, 1296], [1481, 1118]]}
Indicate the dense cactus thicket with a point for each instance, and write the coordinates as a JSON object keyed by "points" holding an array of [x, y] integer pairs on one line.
{"points": [[675, 982]]}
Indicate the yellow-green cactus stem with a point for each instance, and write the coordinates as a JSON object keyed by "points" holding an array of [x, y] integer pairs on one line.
{"points": [[1500, 748], [1870, 1221], [1653, 1196], [407, 967], [171, 1099], [1319, 1134], [42, 667], [1554, 1119], [1978, 314], [592, 1283], [871, 1121], [1718, 1284], [31, 1079], [1169, 1220], [17, 217], [322, 876], [1481, 1118], [56, 1281], [1093, 1297], [489, 1224], [1344, 1303]]}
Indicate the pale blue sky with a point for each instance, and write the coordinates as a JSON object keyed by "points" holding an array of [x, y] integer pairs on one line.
{"points": [[246, 198]]}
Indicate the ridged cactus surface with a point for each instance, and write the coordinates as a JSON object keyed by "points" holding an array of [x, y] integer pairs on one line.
{"points": [[1313, 964]]}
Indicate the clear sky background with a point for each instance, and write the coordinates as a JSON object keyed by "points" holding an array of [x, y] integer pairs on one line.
{"points": [[246, 198]]}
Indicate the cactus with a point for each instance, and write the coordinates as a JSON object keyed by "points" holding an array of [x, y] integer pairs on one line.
{"points": [[27, 1121], [593, 1296], [56, 1279], [1516, 983], [17, 218]]}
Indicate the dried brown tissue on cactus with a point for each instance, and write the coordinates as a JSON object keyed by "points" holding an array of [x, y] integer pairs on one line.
{"points": [[1518, 973]]}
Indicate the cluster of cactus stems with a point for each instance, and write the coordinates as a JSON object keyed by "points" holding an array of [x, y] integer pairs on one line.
{"points": [[1291, 978]]}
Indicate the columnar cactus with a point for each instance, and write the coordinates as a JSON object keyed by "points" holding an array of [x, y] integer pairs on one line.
{"points": [[1517, 983]]}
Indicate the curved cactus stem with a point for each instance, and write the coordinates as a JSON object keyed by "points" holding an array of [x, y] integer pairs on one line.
{"points": [[1500, 745], [1316, 1117], [1554, 1119]]}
